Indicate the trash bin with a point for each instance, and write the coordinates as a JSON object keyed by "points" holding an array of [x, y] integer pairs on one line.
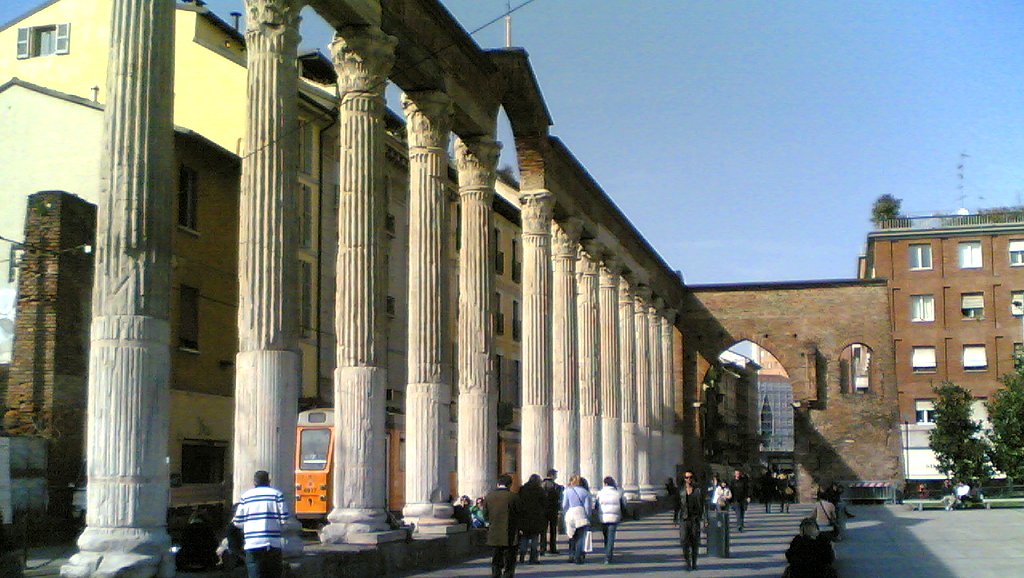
{"points": [[718, 534]]}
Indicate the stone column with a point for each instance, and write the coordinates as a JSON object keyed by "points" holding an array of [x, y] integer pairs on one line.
{"points": [[268, 365], [642, 369], [565, 379], [477, 159], [536, 208], [627, 381], [129, 355], [611, 398], [657, 464], [428, 392], [668, 394], [589, 370], [362, 58]]}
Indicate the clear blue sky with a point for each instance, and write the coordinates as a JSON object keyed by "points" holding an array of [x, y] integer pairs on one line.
{"points": [[747, 140]]}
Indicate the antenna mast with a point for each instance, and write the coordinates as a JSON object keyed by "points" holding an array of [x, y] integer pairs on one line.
{"points": [[960, 179], [508, 24]]}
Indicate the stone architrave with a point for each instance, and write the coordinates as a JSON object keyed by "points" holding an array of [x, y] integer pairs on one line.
{"points": [[588, 317], [477, 159], [642, 343], [611, 398], [627, 381], [362, 58], [565, 379], [129, 357], [668, 394], [428, 391], [536, 208], [657, 452], [268, 366]]}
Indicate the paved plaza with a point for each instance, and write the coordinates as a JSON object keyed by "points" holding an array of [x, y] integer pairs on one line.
{"points": [[882, 541]]}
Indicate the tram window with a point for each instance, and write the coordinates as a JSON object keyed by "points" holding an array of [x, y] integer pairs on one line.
{"points": [[313, 445], [317, 417]]}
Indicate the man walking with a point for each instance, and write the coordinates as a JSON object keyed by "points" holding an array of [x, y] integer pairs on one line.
{"points": [[502, 510], [552, 507], [692, 515], [261, 514], [740, 496]]}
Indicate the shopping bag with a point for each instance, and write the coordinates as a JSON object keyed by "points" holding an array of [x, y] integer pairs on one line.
{"points": [[588, 542]]}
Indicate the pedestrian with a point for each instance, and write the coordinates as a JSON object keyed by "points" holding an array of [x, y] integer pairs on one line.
{"points": [[710, 493], [577, 506], [476, 512], [767, 491], [810, 555], [502, 510], [553, 492], [611, 505], [692, 515], [721, 497], [461, 513], [673, 497], [261, 515], [825, 515], [740, 496], [534, 519]]}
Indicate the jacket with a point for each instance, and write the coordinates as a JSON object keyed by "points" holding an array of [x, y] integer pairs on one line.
{"points": [[609, 503], [577, 505], [693, 504], [532, 500], [502, 510], [553, 496]]}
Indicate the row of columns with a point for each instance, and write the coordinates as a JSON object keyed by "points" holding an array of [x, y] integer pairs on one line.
{"points": [[595, 391]]}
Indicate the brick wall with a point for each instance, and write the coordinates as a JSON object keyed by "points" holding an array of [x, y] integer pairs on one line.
{"points": [[46, 388], [839, 435]]}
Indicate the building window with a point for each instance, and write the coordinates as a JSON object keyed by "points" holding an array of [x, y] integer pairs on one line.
{"points": [[188, 318], [1017, 303], [924, 409], [44, 40], [389, 225], [923, 359], [855, 365], [306, 146], [922, 308], [499, 317], [306, 304], [389, 306], [970, 254], [517, 265], [202, 462], [972, 305], [516, 384], [499, 255], [458, 227], [1017, 253], [188, 199], [306, 217], [1018, 355], [920, 257], [517, 322], [974, 358]]}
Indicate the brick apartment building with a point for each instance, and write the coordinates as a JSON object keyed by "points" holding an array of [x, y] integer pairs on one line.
{"points": [[953, 281]]}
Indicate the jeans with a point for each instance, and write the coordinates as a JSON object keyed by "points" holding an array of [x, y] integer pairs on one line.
{"points": [[264, 563], [528, 542], [576, 553], [548, 539], [609, 540], [689, 538], [740, 507]]}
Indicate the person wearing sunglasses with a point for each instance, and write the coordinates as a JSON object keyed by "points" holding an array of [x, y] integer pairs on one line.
{"points": [[691, 517]]}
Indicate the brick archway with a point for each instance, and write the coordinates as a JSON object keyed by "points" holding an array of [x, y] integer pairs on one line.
{"points": [[806, 326]]}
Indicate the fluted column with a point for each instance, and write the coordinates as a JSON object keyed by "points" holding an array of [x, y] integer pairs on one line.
{"points": [[642, 343], [611, 398], [589, 371], [668, 395], [362, 58], [627, 381], [477, 159], [565, 377], [129, 356], [657, 463], [536, 208], [428, 391]]}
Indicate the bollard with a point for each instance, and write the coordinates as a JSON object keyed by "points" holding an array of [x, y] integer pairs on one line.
{"points": [[718, 534]]}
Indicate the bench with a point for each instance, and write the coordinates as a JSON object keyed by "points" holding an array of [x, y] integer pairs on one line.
{"points": [[919, 505], [988, 504], [1004, 503]]}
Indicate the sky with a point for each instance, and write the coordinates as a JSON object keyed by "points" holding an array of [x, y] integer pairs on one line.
{"points": [[747, 140]]}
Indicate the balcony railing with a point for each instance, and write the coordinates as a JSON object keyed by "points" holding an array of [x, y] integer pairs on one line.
{"points": [[949, 221]]}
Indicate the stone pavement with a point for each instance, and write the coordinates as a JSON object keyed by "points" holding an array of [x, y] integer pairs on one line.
{"points": [[881, 542]]}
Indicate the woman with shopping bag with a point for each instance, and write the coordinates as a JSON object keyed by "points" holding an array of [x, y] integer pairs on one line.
{"points": [[577, 507]]}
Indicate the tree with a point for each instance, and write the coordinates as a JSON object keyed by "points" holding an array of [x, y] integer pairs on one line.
{"points": [[1006, 413], [886, 207], [956, 440]]}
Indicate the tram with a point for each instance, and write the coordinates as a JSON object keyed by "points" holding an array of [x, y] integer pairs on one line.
{"points": [[314, 464]]}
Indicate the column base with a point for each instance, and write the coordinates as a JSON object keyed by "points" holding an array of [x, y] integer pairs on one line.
{"points": [[358, 526], [649, 493], [431, 518], [117, 552], [631, 494]]}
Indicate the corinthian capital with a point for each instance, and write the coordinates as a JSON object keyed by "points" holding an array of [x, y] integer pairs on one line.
{"points": [[587, 262], [272, 18], [610, 269], [536, 209], [565, 238], [363, 57], [428, 118], [477, 160]]}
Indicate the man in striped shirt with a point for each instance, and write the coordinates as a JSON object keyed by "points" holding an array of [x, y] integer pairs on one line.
{"points": [[261, 514]]}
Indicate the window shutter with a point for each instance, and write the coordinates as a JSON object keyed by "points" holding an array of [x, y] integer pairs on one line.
{"points": [[23, 36], [1016, 246], [924, 405], [974, 356], [923, 357], [63, 39], [972, 301]]}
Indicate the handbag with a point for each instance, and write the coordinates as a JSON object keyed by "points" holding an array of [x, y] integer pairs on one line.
{"points": [[588, 541]]}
